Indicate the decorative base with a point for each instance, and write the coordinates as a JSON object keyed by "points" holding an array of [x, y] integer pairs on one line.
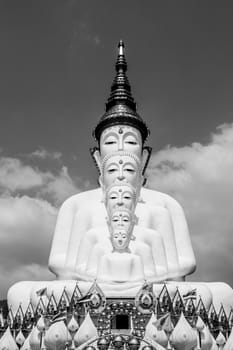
{"points": [[71, 314]]}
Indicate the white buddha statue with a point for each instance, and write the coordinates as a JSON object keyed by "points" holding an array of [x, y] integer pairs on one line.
{"points": [[81, 247], [120, 129]]}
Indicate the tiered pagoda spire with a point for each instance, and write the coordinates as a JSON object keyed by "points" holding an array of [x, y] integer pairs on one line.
{"points": [[121, 89], [121, 107]]}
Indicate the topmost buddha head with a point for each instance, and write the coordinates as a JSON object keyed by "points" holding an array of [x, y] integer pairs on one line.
{"points": [[121, 128]]}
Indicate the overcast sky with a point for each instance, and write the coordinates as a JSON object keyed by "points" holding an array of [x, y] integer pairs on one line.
{"points": [[57, 65]]}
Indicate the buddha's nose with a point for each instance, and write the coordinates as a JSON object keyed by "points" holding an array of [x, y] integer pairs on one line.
{"points": [[120, 145], [121, 174]]}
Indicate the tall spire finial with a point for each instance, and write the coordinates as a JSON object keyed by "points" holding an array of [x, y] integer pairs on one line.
{"points": [[121, 107], [120, 89], [121, 47]]}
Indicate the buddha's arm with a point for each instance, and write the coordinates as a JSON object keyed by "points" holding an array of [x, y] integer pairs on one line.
{"points": [[80, 227], [156, 250], [159, 256], [163, 225], [87, 243], [144, 251], [186, 256], [61, 237]]}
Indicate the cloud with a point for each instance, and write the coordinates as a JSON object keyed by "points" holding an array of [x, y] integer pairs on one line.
{"points": [[42, 153], [60, 187], [200, 177], [26, 229], [14, 175], [19, 178]]}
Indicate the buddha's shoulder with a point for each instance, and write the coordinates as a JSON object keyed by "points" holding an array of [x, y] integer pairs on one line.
{"points": [[144, 230], [155, 197], [83, 198]]}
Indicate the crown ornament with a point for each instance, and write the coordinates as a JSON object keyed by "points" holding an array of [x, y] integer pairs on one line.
{"points": [[121, 108]]}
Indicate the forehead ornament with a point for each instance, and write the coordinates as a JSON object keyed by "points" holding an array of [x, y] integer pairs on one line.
{"points": [[120, 131], [120, 161]]}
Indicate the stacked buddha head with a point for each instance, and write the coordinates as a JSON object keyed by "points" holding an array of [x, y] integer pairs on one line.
{"points": [[121, 133], [121, 183]]}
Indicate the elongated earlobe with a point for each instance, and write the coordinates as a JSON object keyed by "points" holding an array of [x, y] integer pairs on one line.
{"points": [[146, 154], [101, 182], [95, 154]]}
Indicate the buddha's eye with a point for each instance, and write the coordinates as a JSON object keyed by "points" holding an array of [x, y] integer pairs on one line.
{"points": [[115, 219], [131, 142], [127, 196], [109, 142], [126, 219], [113, 197], [130, 170], [112, 169]]}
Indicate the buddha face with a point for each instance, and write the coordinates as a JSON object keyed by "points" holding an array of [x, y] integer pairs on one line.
{"points": [[120, 197], [121, 168], [120, 240], [121, 138], [121, 219]]}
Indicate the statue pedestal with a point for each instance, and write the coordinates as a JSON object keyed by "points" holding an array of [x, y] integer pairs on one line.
{"points": [[22, 293]]}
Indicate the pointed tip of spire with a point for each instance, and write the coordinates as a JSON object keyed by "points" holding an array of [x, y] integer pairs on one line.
{"points": [[121, 64], [121, 48]]}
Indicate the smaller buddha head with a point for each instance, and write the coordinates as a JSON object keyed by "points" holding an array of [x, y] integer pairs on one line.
{"points": [[120, 239], [120, 196], [121, 167], [121, 223]]}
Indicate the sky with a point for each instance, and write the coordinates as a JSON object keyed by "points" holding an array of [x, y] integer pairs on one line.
{"points": [[56, 67]]}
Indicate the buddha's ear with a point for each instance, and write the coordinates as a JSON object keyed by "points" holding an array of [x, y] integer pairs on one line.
{"points": [[95, 154], [101, 182], [146, 154]]}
